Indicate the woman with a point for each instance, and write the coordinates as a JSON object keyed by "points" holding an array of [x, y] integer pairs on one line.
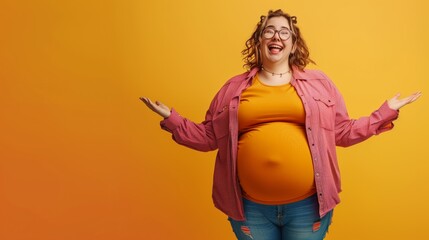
{"points": [[276, 127]]}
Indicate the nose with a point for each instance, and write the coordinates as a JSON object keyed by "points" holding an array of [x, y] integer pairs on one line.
{"points": [[276, 35]]}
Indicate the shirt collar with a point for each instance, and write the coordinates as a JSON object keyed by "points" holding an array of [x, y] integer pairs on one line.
{"points": [[299, 74], [252, 73]]}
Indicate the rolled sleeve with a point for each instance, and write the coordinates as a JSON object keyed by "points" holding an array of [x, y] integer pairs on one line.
{"points": [[172, 122], [389, 115]]}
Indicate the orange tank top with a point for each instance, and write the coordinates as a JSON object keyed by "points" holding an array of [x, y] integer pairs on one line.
{"points": [[274, 163]]}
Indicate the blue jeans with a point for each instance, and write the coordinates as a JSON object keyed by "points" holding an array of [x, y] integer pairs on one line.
{"points": [[295, 221]]}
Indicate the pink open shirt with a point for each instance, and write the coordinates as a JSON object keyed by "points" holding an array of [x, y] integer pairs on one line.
{"points": [[327, 125]]}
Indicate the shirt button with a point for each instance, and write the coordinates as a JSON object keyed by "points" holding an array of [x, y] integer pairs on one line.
{"points": [[317, 174]]}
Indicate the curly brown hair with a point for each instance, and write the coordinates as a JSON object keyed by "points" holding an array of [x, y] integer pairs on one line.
{"points": [[299, 58]]}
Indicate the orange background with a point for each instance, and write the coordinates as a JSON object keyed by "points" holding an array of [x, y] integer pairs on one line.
{"points": [[82, 158]]}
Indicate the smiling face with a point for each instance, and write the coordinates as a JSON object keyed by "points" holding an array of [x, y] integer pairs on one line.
{"points": [[275, 51]]}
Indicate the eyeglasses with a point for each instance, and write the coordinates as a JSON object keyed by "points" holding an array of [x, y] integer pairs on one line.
{"points": [[269, 33]]}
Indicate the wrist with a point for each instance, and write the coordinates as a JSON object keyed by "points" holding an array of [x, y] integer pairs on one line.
{"points": [[166, 114]]}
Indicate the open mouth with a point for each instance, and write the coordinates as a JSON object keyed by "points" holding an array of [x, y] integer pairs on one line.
{"points": [[274, 48]]}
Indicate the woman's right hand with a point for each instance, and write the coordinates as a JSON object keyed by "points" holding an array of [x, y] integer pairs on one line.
{"points": [[157, 107]]}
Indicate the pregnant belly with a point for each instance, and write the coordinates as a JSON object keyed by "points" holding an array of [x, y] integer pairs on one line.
{"points": [[274, 164]]}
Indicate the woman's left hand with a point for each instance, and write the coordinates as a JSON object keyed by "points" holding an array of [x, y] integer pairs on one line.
{"points": [[395, 103]]}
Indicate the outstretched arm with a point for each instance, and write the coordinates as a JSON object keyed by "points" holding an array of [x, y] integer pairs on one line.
{"points": [[352, 131], [198, 136]]}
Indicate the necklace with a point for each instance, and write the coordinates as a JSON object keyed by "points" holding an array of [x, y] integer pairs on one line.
{"points": [[280, 74]]}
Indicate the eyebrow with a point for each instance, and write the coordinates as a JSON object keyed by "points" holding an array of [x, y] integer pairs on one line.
{"points": [[271, 26]]}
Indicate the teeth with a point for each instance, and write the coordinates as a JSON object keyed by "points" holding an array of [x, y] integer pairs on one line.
{"points": [[275, 46]]}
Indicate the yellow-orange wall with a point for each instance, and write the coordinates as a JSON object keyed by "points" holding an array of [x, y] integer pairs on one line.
{"points": [[82, 158]]}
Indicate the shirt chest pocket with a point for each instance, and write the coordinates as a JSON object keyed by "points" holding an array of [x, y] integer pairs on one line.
{"points": [[221, 122], [326, 107]]}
